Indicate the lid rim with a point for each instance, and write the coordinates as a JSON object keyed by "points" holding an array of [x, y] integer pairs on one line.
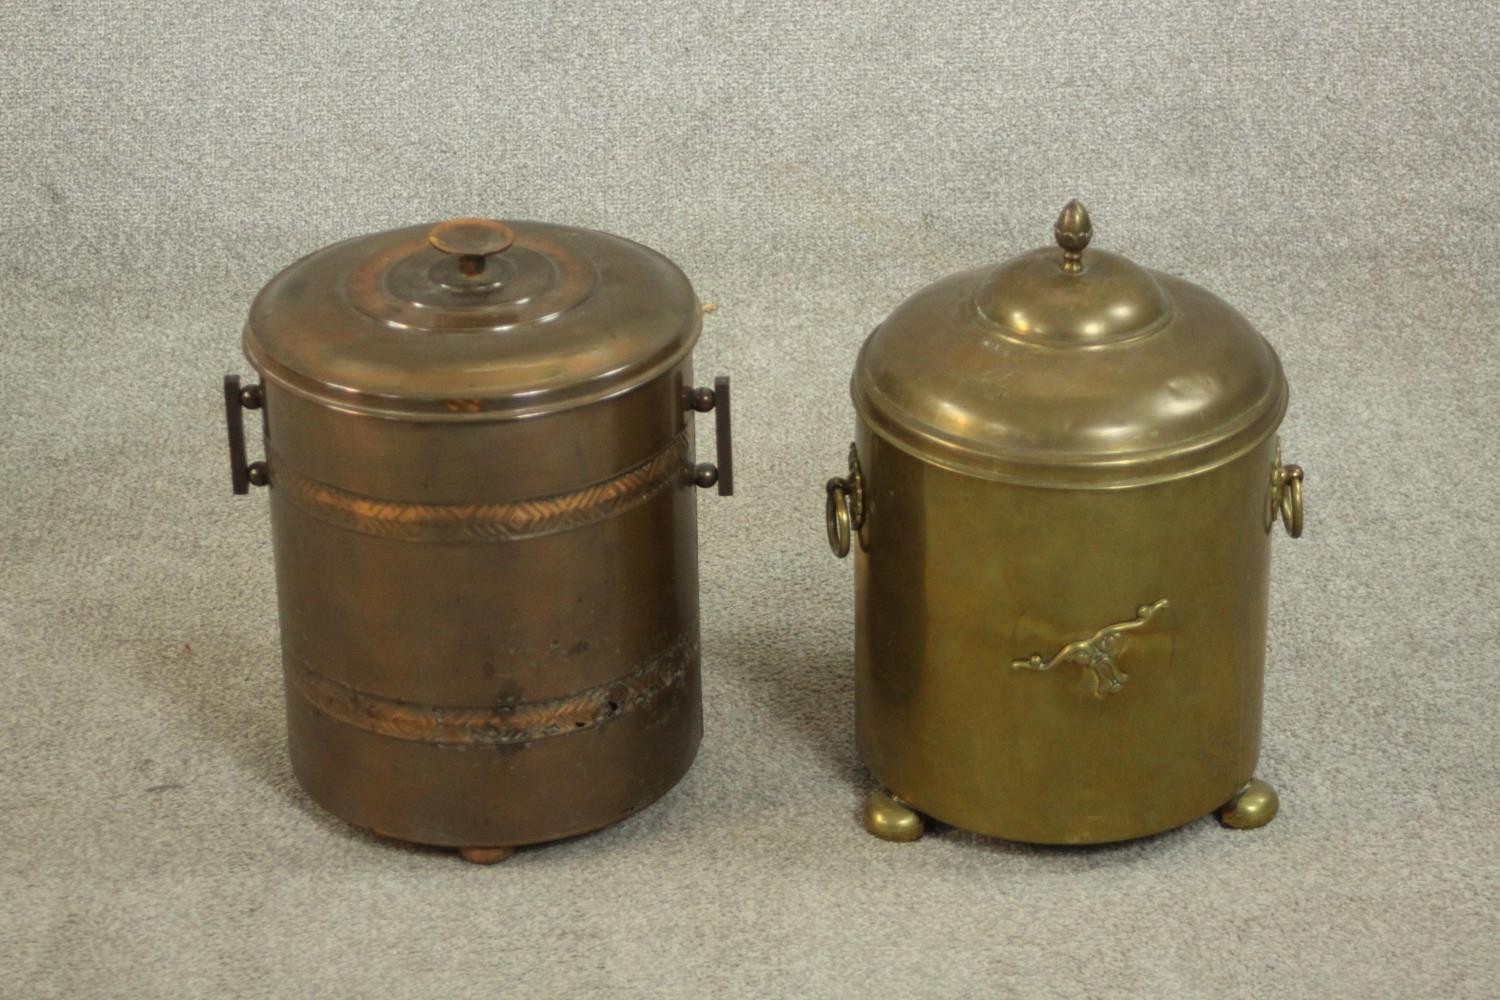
{"points": [[1099, 377], [1072, 471], [453, 410]]}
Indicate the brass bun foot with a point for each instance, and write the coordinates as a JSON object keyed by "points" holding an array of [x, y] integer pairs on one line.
{"points": [[485, 855], [1253, 806], [888, 818]]}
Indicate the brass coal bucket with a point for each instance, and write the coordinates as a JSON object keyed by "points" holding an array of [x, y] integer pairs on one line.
{"points": [[481, 467], [1060, 497]]}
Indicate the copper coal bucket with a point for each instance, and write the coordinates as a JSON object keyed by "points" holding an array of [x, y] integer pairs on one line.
{"points": [[480, 457]]}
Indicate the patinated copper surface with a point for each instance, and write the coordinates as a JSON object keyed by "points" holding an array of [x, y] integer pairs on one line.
{"points": [[480, 452], [501, 521]]}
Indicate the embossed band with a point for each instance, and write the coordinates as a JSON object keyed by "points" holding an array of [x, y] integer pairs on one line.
{"points": [[481, 522], [502, 725]]}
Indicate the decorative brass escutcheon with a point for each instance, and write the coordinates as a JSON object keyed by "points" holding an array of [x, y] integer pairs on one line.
{"points": [[1286, 497], [845, 510], [1097, 652]]}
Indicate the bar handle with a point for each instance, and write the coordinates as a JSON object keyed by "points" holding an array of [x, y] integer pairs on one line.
{"points": [[242, 475], [707, 474]]}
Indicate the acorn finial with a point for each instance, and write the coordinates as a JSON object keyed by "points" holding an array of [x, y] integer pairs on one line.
{"points": [[1073, 231]]}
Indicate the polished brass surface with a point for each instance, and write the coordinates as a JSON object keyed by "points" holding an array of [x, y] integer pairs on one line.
{"points": [[961, 576], [1042, 446], [1097, 653], [1105, 378], [483, 512], [888, 818], [1252, 807]]}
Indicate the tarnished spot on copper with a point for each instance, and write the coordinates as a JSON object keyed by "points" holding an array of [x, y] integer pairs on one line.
{"points": [[484, 522], [505, 725], [1097, 652]]}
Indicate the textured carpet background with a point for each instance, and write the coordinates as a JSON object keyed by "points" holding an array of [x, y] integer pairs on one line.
{"points": [[1330, 167]]}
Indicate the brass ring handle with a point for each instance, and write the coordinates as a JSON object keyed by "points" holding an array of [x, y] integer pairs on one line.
{"points": [[845, 512], [837, 515], [1291, 500]]}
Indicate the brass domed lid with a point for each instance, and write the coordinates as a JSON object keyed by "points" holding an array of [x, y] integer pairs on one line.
{"points": [[473, 319], [1071, 367]]}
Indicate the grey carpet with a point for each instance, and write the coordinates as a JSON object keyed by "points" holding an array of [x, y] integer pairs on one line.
{"points": [[1329, 167]]}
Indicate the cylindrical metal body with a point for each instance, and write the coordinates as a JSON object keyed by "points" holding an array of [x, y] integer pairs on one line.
{"points": [[479, 649], [483, 504], [1061, 494], [957, 577]]}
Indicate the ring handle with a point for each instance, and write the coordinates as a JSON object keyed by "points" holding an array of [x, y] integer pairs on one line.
{"points": [[1291, 500], [838, 517], [1285, 499], [845, 509]]}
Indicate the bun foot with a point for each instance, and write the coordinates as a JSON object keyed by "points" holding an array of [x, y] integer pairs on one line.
{"points": [[485, 855], [888, 818], [1253, 806]]}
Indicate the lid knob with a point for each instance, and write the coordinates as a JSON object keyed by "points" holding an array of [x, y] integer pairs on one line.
{"points": [[1073, 231], [471, 241]]}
